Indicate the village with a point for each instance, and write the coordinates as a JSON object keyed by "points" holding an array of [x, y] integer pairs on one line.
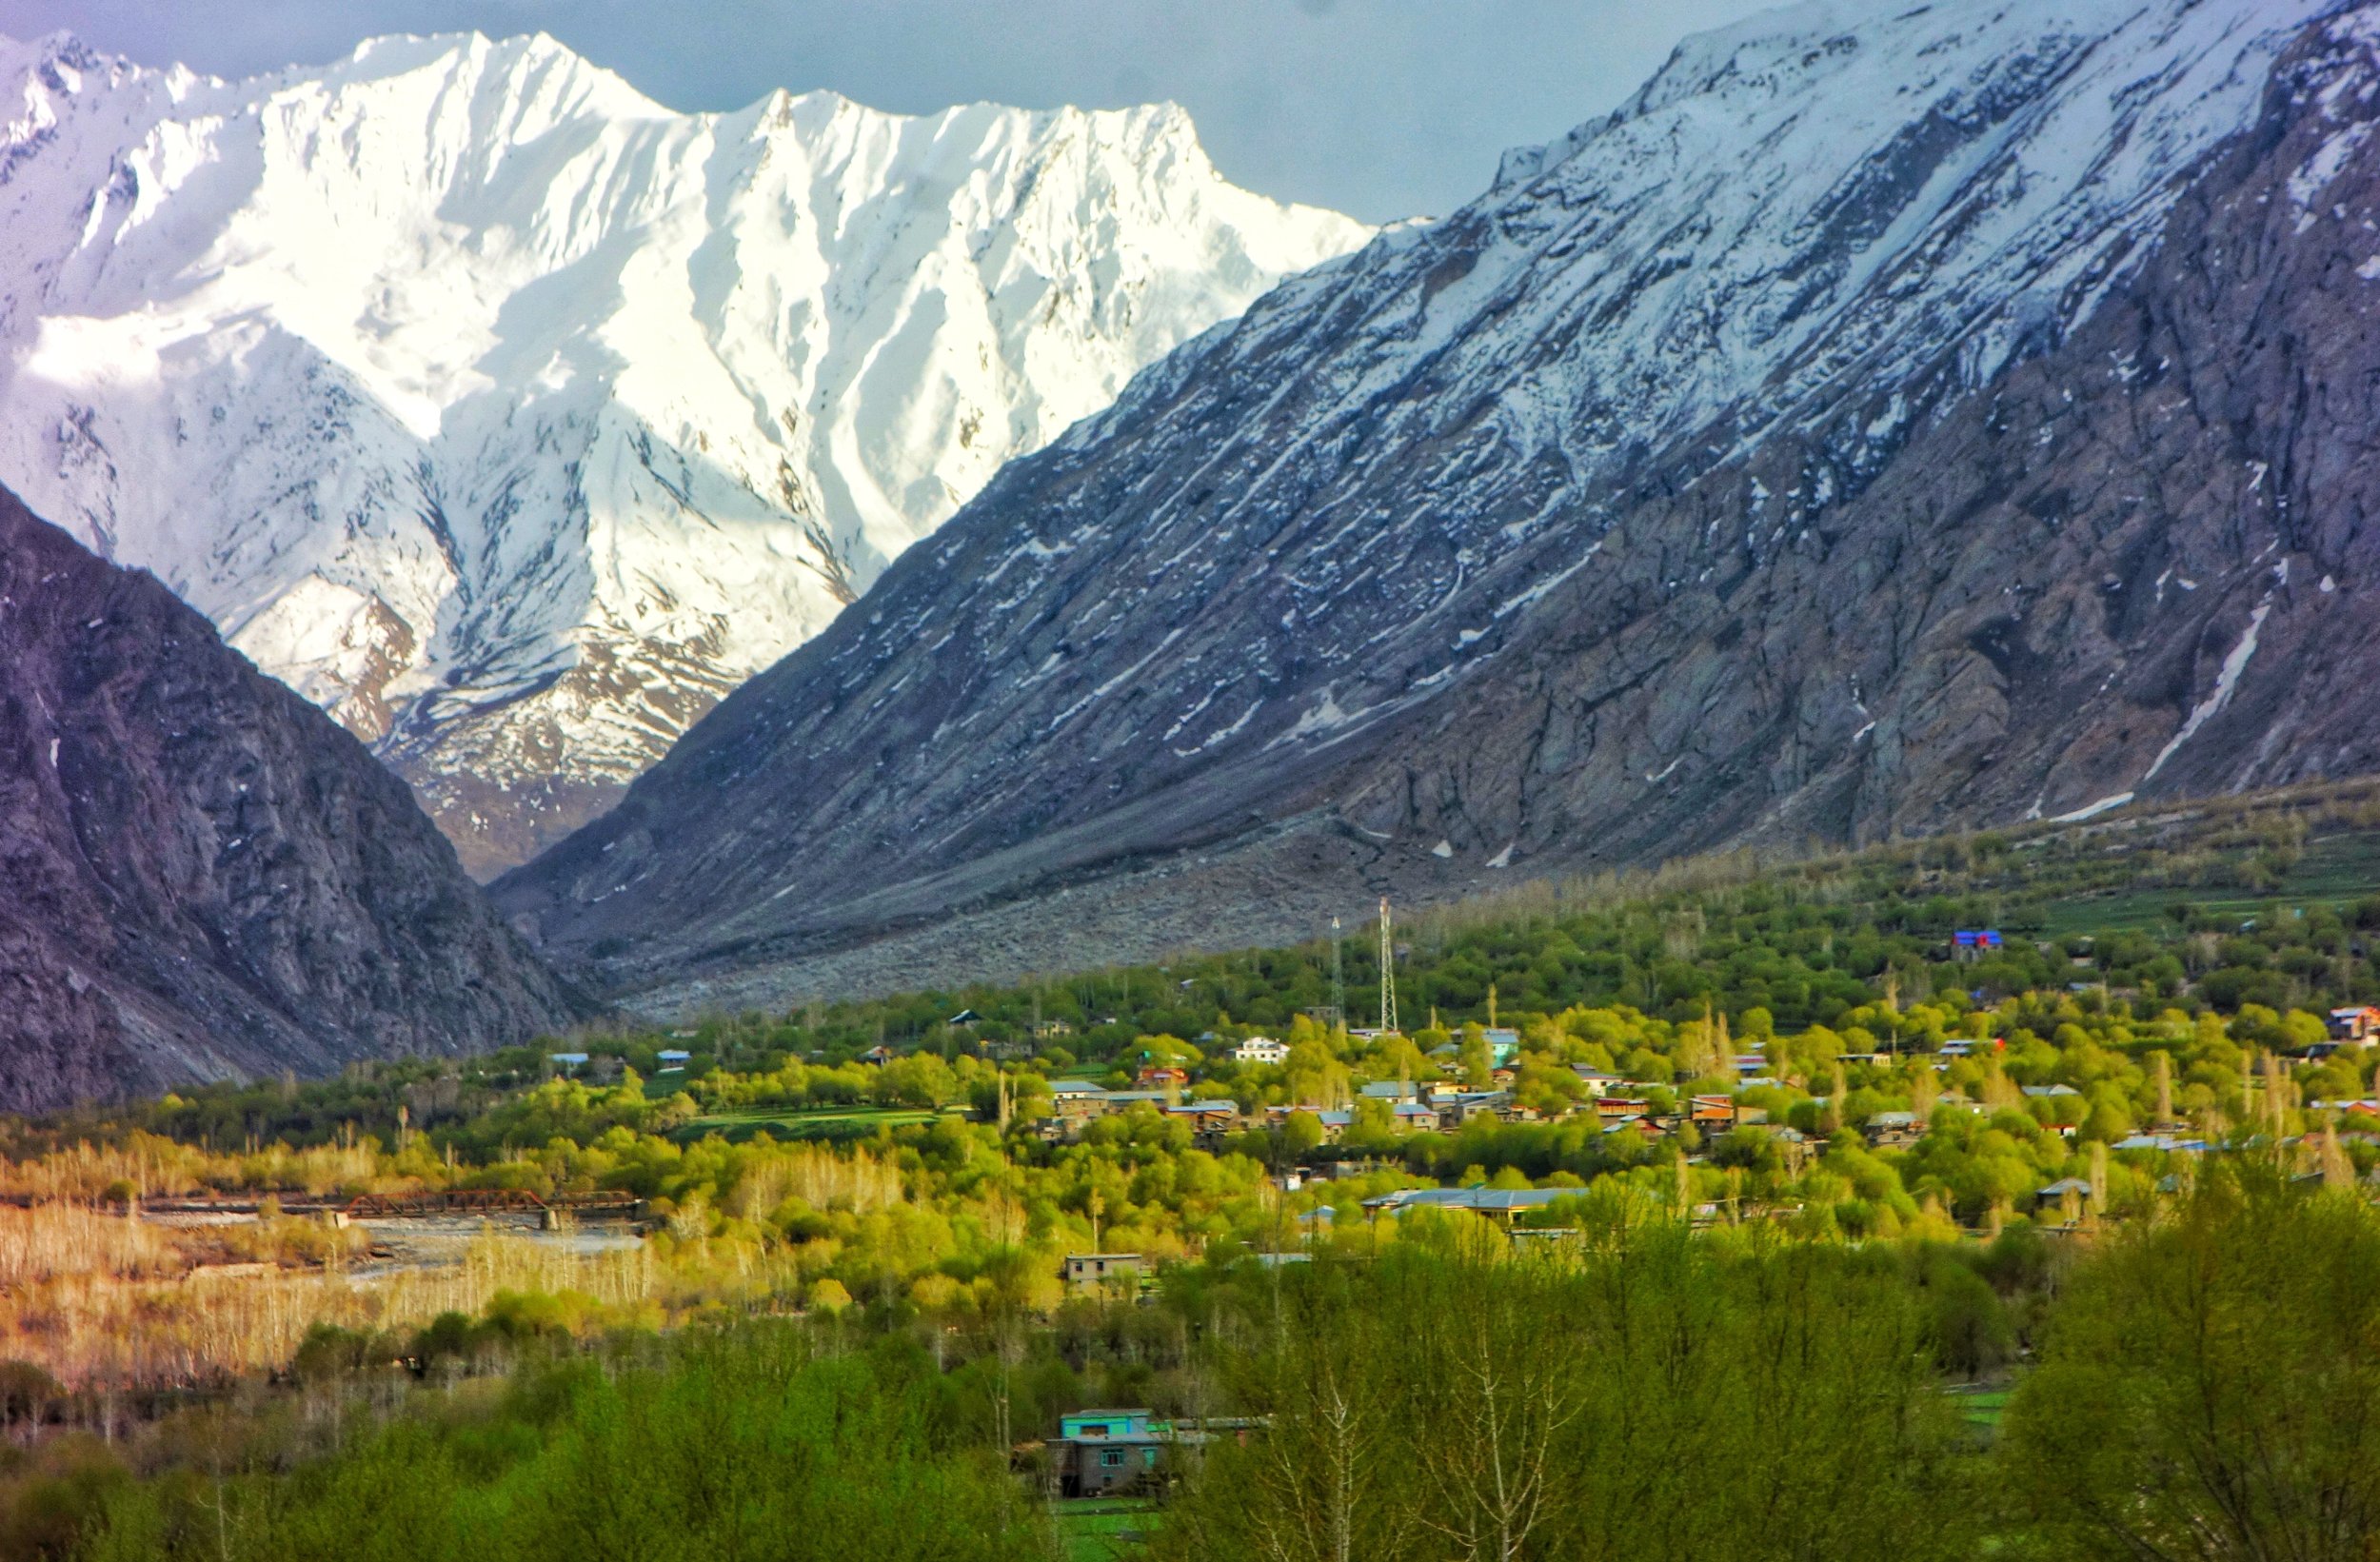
{"points": [[1643, 1120], [1640, 1113], [1056, 1233], [1105, 1453]]}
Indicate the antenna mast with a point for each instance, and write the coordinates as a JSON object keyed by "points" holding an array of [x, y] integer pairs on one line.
{"points": [[1388, 971], [1338, 978]]}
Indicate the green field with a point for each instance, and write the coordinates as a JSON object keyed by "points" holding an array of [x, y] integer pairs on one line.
{"points": [[2335, 871], [832, 1123], [1101, 1529], [1984, 1410]]}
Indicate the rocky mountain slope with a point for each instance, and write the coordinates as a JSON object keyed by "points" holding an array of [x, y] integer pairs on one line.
{"points": [[201, 875], [515, 419], [1893, 418]]}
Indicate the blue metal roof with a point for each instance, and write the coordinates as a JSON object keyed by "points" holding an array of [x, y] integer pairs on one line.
{"points": [[1469, 1198]]}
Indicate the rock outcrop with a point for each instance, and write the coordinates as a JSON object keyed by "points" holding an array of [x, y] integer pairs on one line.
{"points": [[201, 875]]}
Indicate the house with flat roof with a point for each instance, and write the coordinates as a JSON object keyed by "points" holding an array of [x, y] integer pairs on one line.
{"points": [[1597, 1082], [1712, 1113], [2055, 1196], [1333, 1122], [2359, 1024], [1645, 1128], [1495, 1203], [1892, 1129], [1097, 1271], [1104, 1451], [1460, 1107], [1210, 1121], [2157, 1141]]}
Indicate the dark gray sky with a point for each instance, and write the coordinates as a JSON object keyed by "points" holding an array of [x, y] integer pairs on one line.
{"points": [[1380, 107]]}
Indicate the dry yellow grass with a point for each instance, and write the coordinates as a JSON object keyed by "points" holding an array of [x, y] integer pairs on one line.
{"points": [[95, 1329], [50, 1242], [152, 1166], [819, 1178], [104, 1298]]}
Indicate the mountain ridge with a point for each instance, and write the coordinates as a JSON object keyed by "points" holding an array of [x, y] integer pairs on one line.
{"points": [[1434, 567], [515, 418]]}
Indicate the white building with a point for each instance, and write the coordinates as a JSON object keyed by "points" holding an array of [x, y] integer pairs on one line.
{"points": [[1261, 1049]]}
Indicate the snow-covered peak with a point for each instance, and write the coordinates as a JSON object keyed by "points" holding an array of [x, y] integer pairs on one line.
{"points": [[514, 416], [1792, 212], [1920, 165]]}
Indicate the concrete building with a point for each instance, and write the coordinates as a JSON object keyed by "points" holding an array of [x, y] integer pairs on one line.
{"points": [[1101, 1271], [1100, 1451]]}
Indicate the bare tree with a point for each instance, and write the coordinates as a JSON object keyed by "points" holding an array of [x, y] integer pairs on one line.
{"points": [[1502, 1389]]}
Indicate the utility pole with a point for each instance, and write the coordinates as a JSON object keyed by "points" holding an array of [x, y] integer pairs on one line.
{"points": [[1388, 971]]}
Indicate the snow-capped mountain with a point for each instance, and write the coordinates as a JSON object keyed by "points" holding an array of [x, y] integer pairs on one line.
{"points": [[1896, 416], [515, 419]]}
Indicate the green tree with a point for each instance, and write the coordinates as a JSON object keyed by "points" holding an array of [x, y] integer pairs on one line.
{"points": [[2210, 1384]]}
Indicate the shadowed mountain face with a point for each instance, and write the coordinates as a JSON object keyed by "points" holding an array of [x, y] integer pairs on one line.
{"points": [[1951, 418], [202, 876]]}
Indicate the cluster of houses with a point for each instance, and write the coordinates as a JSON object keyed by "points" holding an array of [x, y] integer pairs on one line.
{"points": [[1617, 1105]]}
